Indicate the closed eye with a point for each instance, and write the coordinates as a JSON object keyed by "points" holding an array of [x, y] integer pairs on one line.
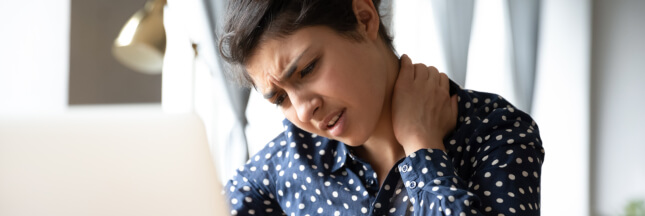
{"points": [[280, 99], [304, 72], [307, 70]]}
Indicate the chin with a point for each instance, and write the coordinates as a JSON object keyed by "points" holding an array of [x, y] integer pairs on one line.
{"points": [[353, 141], [358, 136], [353, 144], [350, 142]]}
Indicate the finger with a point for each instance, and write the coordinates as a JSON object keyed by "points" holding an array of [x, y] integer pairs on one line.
{"points": [[433, 69], [421, 72], [434, 75], [444, 83], [406, 73]]}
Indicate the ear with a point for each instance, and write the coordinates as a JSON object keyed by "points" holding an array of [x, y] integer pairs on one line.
{"points": [[367, 17]]}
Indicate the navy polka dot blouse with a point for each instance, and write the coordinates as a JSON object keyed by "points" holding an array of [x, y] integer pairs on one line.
{"points": [[491, 166]]}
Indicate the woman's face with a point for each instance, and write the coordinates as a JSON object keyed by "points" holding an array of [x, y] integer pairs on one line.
{"points": [[323, 82]]}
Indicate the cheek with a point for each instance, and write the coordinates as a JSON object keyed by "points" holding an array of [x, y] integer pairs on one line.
{"points": [[336, 80], [290, 114], [357, 76], [354, 85]]}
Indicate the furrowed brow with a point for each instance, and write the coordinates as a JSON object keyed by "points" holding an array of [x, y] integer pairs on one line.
{"points": [[291, 68], [293, 65]]}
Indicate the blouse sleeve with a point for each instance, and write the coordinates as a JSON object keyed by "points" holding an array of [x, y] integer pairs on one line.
{"points": [[504, 176], [247, 197]]}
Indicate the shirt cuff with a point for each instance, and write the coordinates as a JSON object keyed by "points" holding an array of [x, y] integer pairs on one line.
{"points": [[426, 168]]}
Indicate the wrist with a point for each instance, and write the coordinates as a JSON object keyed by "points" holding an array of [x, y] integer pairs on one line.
{"points": [[418, 144]]}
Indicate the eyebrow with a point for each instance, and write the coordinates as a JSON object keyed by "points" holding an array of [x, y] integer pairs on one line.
{"points": [[291, 68]]}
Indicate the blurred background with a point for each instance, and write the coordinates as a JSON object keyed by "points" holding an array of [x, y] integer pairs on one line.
{"points": [[577, 66]]}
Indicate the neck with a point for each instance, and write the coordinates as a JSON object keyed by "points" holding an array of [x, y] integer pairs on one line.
{"points": [[382, 149]]}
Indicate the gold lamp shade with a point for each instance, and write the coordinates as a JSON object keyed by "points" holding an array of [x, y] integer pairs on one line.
{"points": [[142, 41]]}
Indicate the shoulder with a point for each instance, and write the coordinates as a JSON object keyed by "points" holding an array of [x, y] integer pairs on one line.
{"points": [[479, 110], [489, 125]]}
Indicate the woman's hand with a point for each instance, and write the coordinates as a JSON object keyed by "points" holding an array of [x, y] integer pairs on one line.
{"points": [[423, 112]]}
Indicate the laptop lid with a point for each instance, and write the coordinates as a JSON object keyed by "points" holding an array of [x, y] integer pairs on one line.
{"points": [[107, 164]]}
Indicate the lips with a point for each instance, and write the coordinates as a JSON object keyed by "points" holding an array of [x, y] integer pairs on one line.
{"points": [[333, 123], [333, 120]]}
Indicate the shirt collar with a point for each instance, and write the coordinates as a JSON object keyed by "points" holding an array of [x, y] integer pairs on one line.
{"points": [[341, 154]]}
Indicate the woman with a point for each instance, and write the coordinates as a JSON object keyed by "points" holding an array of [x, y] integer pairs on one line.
{"points": [[367, 132]]}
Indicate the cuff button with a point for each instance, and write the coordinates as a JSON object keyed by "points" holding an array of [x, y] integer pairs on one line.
{"points": [[413, 184], [404, 168]]}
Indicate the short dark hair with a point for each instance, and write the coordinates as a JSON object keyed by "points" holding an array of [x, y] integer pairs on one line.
{"points": [[250, 21]]}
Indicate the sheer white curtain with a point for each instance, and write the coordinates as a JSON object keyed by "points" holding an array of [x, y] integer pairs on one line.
{"points": [[514, 69], [489, 57], [454, 21], [233, 149], [196, 83], [523, 18]]}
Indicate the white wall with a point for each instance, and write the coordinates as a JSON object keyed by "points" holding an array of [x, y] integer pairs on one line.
{"points": [[618, 104], [34, 55]]}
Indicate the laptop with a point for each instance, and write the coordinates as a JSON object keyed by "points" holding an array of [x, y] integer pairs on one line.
{"points": [[107, 163]]}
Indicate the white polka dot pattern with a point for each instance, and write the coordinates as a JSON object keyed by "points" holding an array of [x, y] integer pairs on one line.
{"points": [[491, 166]]}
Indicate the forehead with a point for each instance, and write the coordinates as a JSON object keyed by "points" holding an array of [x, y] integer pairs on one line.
{"points": [[274, 55]]}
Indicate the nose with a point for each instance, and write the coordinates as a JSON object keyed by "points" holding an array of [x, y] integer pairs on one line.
{"points": [[305, 104]]}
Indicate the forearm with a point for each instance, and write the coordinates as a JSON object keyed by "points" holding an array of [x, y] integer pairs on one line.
{"points": [[433, 183]]}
